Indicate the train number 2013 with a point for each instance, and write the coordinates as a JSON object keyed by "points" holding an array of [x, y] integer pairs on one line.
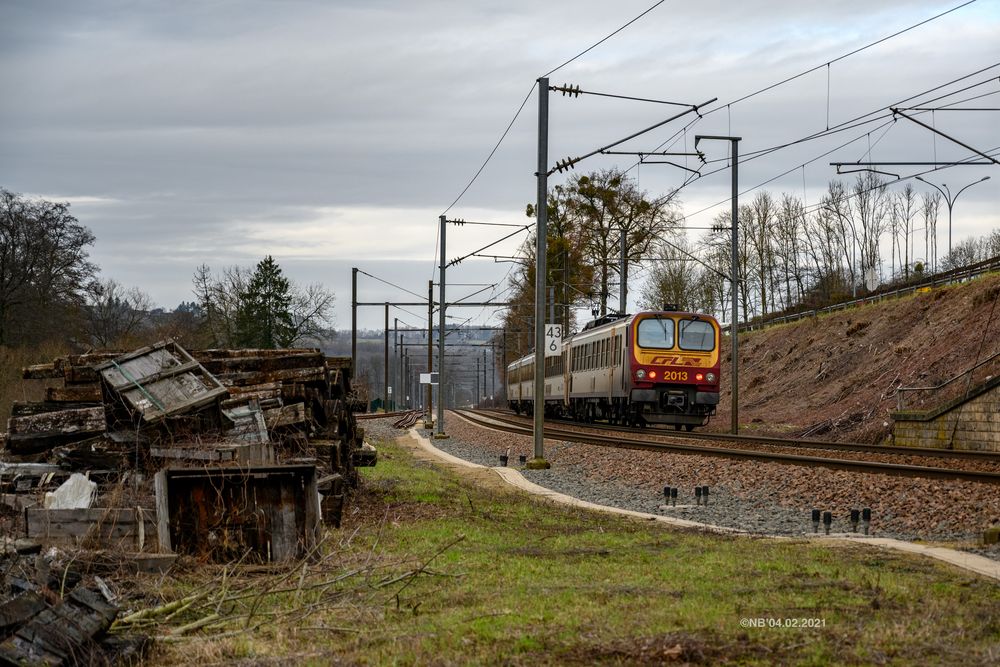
{"points": [[675, 376]]}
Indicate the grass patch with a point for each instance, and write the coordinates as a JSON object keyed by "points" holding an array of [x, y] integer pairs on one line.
{"points": [[437, 570]]}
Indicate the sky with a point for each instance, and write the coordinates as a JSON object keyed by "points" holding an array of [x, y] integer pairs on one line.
{"points": [[332, 134]]}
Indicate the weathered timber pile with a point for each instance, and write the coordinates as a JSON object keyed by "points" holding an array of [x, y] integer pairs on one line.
{"points": [[298, 391], [136, 457], [111, 410], [39, 626]]}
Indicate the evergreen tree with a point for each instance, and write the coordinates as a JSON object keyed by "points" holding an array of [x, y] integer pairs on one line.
{"points": [[264, 316]]}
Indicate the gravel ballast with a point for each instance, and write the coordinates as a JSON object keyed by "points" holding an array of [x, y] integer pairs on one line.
{"points": [[753, 496]]}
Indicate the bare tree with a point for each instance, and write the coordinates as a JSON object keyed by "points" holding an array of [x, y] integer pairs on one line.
{"points": [[115, 314], [715, 282], [44, 268], [672, 279], [788, 232], [219, 299], [837, 205], [823, 241], [756, 225], [312, 312], [903, 209], [609, 205], [870, 207], [570, 270], [223, 301], [929, 209]]}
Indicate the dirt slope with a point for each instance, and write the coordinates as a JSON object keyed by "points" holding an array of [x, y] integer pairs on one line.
{"points": [[835, 376]]}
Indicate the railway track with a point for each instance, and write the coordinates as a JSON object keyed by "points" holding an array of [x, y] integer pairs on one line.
{"points": [[746, 452], [775, 441], [407, 420], [381, 415]]}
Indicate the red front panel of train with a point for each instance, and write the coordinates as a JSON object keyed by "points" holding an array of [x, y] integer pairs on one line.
{"points": [[677, 349]]}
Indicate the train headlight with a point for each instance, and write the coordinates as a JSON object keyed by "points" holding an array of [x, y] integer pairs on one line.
{"points": [[640, 374], [698, 377], [710, 377], [652, 375]]}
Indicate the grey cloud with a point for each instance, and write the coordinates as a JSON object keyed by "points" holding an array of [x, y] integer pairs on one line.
{"points": [[201, 116]]}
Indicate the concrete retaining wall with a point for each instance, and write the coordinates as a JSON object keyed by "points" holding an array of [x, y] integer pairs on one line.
{"points": [[973, 425]]}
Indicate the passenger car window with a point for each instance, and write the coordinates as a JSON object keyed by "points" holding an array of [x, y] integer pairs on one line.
{"points": [[655, 332], [696, 335]]}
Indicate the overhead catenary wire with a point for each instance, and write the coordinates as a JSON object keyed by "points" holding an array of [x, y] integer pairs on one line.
{"points": [[859, 121], [602, 40], [873, 121], [520, 108], [671, 140], [851, 53], [490, 245], [886, 116], [422, 297]]}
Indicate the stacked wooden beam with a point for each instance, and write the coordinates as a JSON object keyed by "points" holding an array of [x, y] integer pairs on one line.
{"points": [[300, 391], [72, 409], [161, 407]]}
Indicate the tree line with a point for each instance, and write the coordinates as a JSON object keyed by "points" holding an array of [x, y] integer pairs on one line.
{"points": [[792, 255], [52, 293]]}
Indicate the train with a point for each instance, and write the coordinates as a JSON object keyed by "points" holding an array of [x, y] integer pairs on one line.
{"points": [[650, 368]]}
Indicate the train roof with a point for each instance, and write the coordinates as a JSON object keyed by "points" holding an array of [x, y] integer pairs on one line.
{"points": [[613, 318], [607, 319]]}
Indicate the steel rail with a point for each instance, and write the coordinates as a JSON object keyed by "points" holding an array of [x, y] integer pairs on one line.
{"points": [[381, 415], [795, 442], [788, 459]]}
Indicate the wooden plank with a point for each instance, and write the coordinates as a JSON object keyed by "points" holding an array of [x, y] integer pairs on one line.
{"points": [[118, 563], [286, 415], [24, 444], [10, 470], [254, 453], [217, 353], [344, 363], [263, 364], [284, 533], [62, 634], [41, 372], [20, 610], [79, 368], [313, 516], [218, 454], [74, 525], [161, 489], [89, 359], [28, 408], [267, 389], [80, 420], [312, 374], [83, 393], [121, 382]]}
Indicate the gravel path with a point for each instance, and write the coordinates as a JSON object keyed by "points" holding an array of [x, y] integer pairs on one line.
{"points": [[758, 497]]}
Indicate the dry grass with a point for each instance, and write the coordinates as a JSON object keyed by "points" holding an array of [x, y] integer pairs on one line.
{"points": [[429, 569]]}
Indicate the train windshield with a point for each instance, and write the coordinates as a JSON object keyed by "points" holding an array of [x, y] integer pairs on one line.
{"points": [[696, 335], [655, 332]]}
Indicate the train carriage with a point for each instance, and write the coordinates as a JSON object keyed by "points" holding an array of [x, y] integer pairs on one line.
{"points": [[654, 367]]}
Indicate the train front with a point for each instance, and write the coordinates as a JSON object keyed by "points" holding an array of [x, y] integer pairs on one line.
{"points": [[674, 361]]}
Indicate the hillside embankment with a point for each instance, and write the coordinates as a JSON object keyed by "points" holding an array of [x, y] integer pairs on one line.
{"points": [[835, 376]]}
